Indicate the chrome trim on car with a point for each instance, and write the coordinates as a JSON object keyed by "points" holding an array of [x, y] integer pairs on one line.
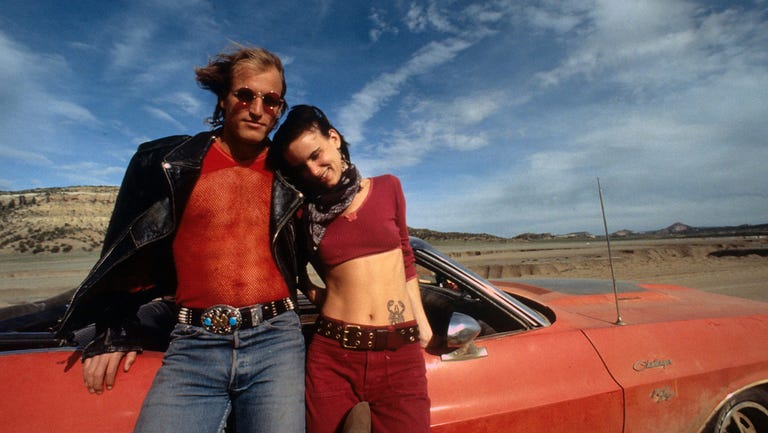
{"points": [[462, 331]]}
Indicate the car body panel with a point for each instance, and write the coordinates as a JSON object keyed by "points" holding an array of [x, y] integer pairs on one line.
{"points": [[675, 374], [557, 359], [46, 393], [538, 381], [679, 352]]}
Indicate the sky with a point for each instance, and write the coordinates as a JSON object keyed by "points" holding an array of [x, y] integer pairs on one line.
{"points": [[498, 117]]}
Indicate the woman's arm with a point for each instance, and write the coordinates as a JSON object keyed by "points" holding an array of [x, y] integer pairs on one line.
{"points": [[414, 295], [411, 276]]}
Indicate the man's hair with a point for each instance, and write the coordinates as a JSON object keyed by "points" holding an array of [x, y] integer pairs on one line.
{"points": [[217, 75]]}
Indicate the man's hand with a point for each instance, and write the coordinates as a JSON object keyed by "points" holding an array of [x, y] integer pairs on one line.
{"points": [[101, 369]]}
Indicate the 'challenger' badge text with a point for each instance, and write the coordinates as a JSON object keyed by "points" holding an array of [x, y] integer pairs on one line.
{"points": [[647, 364]]}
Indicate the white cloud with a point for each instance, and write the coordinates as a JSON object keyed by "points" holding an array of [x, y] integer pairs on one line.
{"points": [[501, 118], [381, 89], [437, 19], [654, 44], [164, 116], [379, 26], [129, 52], [24, 156], [559, 20], [90, 173], [72, 113], [34, 99], [678, 137], [183, 101]]}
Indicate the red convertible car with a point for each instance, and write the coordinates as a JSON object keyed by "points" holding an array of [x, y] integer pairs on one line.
{"points": [[515, 356]]}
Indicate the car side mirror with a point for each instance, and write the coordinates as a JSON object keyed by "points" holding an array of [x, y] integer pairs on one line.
{"points": [[462, 331]]}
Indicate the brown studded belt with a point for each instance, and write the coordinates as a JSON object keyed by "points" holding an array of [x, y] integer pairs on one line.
{"points": [[358, 337]]}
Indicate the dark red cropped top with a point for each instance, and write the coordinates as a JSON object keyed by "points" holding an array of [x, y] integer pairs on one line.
{"points": [[378, 225]]}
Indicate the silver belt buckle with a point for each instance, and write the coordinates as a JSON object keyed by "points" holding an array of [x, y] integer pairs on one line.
{"points": [[353, 342], [221, 319]]}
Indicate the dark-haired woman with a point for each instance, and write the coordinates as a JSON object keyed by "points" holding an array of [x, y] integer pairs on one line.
{"points": [[368, 344]]}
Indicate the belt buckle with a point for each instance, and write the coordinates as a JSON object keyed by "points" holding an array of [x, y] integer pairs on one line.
{"points": [[345, 336], [221, 319]]}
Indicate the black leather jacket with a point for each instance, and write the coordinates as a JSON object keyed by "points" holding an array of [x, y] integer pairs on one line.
{"points": [[136, 263]]}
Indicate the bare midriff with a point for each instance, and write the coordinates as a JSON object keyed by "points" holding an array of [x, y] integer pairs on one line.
{"points": [[368, 290]]}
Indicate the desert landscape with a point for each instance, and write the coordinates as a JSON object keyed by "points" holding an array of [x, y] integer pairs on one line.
{"points": [[731, 265], [50, 238]]}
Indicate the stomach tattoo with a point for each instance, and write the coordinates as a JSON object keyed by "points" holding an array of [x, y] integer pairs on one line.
{"points": [[396, 311]]}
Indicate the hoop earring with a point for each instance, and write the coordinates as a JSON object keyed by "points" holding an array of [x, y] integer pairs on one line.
{"points": [[344, 159]]}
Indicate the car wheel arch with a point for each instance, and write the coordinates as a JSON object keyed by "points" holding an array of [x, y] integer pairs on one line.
{"points": [[748, 407]]}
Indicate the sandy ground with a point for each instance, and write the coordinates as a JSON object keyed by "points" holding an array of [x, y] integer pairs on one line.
{"points": [[737, 266], [29, 278]]}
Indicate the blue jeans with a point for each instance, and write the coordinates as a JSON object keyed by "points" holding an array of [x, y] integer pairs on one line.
{"points": [[257, 374]]}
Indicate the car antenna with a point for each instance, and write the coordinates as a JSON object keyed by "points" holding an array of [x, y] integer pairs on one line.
{"points": [[619, 321]]}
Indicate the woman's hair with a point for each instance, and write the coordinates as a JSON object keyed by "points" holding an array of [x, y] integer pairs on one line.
{"points": [[217, 75], [300, 119]]}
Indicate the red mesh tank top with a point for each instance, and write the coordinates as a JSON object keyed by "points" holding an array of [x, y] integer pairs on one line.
{"points": [[222, 247]]}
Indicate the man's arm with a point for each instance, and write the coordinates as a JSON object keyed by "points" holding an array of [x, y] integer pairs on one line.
{"points": [[101, 370], [154, 321]]}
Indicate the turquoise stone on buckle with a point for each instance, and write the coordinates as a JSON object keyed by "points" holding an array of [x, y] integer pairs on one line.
{"points": [[221, 319]]}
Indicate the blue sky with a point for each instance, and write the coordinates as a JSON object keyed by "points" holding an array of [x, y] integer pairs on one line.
{"points": [[498, 116]]}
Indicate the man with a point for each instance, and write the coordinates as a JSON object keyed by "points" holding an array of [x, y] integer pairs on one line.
{"points": [[206, 220]]}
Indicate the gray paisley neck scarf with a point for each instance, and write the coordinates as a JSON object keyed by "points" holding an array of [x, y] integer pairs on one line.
{"points": [[324, 206]]}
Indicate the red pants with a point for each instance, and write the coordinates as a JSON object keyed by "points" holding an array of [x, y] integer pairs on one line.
{"points": [[393, 382]]}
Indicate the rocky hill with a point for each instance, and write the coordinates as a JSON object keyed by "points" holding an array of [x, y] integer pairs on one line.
{"points": [[60, 220], [431, 235], [55, 220], [682, 230]]}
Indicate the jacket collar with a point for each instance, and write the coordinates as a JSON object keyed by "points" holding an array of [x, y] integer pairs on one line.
{"points": [[191, 152]]}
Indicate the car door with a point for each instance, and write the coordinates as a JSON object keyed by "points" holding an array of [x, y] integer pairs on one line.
{"points": [[543, 380], [46, 393], [525, 375]]}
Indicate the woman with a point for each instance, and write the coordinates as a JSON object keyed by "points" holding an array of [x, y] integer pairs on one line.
{"points": [[366, 347]]}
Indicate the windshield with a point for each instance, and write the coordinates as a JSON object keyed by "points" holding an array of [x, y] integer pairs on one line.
{"points": [[435, 260]]}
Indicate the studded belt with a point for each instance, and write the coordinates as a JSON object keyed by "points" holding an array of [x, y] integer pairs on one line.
{"points": [[359, 337], [226, 319]]}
